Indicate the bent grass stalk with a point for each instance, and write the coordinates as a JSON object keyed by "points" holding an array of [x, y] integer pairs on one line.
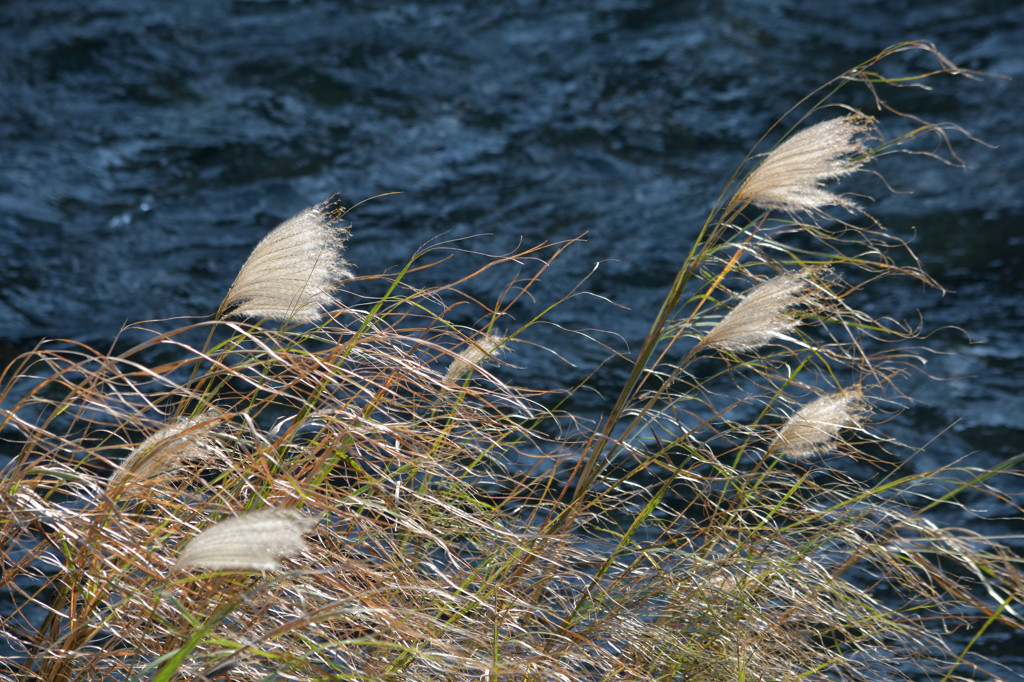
{"points": [[473, 529]]}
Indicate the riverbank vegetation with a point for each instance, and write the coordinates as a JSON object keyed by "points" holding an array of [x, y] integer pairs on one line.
{"points": [[310, 485]]}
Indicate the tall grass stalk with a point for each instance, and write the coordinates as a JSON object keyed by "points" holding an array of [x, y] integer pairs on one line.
{"points": [[359, 491]]}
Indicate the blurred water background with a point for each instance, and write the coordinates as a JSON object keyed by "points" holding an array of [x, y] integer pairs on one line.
{"points": [[146, 147]]}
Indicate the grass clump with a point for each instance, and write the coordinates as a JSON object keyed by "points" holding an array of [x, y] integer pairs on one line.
{"points": [[324, 490]]}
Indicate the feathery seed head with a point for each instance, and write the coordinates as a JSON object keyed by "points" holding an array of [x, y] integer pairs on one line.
{"points": [[253, 541], [165, 450], [474, 353], [763, 313], [815, 427], [290, 275], [791, 177]]}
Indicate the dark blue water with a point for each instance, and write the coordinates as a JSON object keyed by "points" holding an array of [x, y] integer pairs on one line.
{"points": [[146, 147]]}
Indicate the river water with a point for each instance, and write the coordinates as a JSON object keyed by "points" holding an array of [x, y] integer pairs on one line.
{"points": [[146, 147]]}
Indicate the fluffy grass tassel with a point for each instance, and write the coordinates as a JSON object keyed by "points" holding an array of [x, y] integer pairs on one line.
{"points": [[814, 429], [763, 314], [165, 450], [473, 354], [792, 176], [251, 542], [292, 272]]}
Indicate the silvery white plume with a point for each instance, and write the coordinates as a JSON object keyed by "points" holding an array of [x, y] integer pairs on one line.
{"points": [[189, 438], [763, 314], [292, 272], [253, 541], [792, 176], [478, 350], [815, 427]]}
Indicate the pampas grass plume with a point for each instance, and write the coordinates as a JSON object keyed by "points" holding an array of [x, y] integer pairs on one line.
{"points": [[763, 313], [253, 541], [792, 177], [290, 275], [473, 354], [167, 448], [814, 428]]}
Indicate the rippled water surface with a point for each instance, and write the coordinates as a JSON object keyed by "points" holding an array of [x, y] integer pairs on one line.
{"points": [[147, 146]]}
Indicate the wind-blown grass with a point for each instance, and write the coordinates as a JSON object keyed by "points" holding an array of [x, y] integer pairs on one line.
{"points": [[337, 501]]}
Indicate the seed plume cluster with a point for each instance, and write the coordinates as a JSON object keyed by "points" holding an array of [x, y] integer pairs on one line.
{"points": [[254, 541], [764, 313], [292, 273], [814, 428], [792, 177]]}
